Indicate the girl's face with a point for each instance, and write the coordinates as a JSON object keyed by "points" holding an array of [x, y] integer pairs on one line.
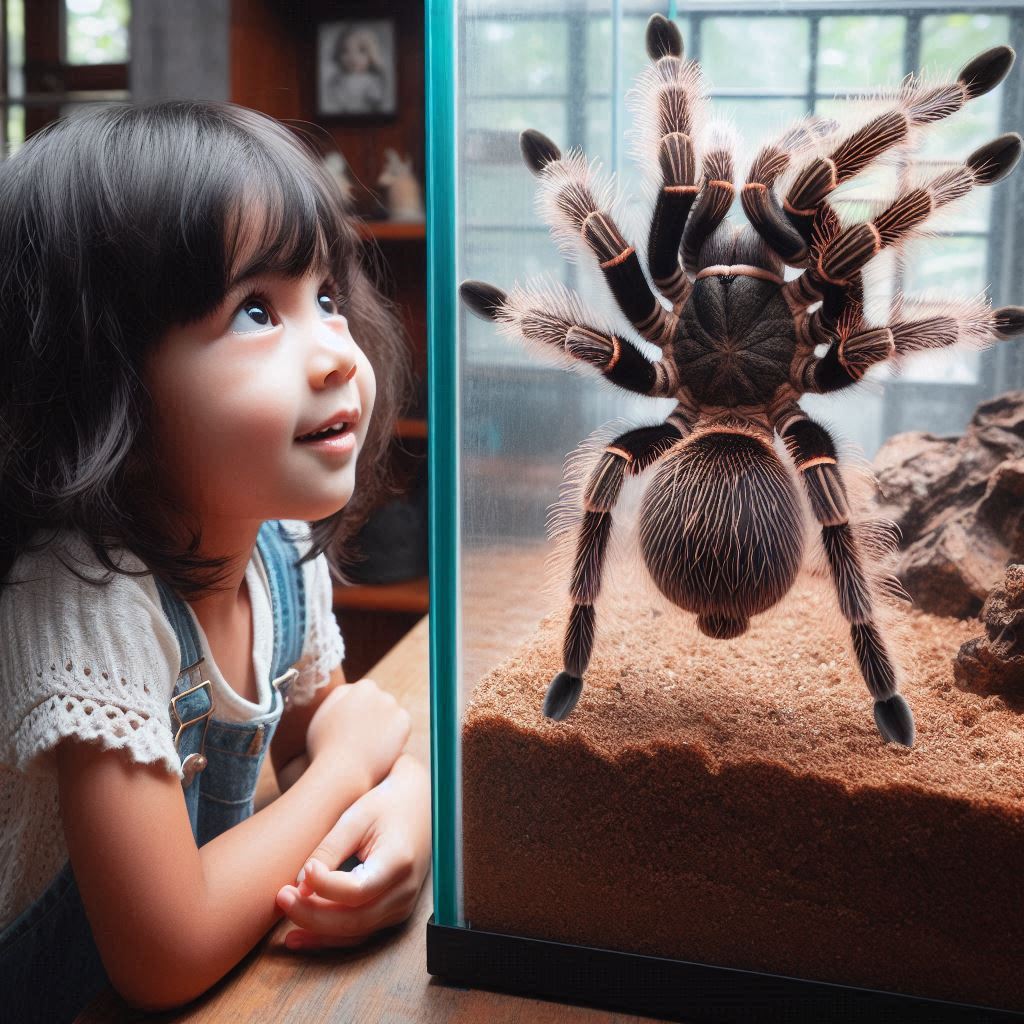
{"points": [[355, 56], [233, 392]]}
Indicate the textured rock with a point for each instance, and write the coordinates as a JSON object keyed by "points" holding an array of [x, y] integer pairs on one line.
{"points": [[959, 505], [994, 663]]}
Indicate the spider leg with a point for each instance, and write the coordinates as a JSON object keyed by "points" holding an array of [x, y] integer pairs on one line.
{"points": [[631, 453], [554, 320], [969, 322], [671, 88], [844, 253], [847, 253], [714, 200], [917, 106], [760, 201], [814, 453], [573, 209]]}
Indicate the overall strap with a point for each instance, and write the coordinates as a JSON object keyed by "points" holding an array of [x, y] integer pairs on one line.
{"points": [[192, 700], [287, 594]]}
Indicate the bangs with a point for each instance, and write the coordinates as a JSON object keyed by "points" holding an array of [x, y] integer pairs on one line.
{"points": [[283, 223], [252, 200]]}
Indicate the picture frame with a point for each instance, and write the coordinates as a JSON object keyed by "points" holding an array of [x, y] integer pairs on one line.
{"points": [[357, 68]]}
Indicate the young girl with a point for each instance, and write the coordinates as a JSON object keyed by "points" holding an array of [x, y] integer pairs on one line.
{"points": [[191, 354]]}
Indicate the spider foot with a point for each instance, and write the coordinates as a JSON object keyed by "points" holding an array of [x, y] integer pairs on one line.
{"points": [[563, 692], [894, 720]]}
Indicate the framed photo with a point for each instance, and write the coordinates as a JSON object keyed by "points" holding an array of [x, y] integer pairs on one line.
{"points": [[357, 68]]}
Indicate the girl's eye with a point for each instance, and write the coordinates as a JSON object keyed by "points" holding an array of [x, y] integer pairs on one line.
{"points": [[329, 300], [252, 316]]}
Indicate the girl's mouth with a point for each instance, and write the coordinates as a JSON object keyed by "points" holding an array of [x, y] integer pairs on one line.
{"points": [[338, 430]]}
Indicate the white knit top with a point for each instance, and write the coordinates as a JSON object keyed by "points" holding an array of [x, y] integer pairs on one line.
{"points": [[100, 663]]}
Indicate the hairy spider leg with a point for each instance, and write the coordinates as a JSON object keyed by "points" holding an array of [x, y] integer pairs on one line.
{"points": [[713, 202], [631, 453], [917, 106], [554, 321], [807, 206], [672, 89], [759, 199], [814, 454], [969, 322], [839, 260], [571, 208]]}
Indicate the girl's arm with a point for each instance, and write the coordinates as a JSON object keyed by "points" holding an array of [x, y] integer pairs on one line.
{"points": [[170, 919], [288, 747]]}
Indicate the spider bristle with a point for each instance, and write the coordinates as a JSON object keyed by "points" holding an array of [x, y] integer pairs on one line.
{"points": [[538, 150], [984, 72], [569, 190], [666, 97], [663, 38], [936, 321]]}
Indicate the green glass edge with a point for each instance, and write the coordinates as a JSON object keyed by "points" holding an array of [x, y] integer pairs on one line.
{"points": [[442, 377]]}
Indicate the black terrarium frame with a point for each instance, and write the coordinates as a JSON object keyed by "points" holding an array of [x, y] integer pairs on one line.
{"points": [[739, 345]]}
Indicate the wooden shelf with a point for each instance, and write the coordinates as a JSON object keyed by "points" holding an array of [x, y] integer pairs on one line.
{"points": [[413, 428], [407, 596], [392, 231]]}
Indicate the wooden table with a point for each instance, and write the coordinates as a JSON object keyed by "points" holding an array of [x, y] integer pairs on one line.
{"points": [[385, 981]]}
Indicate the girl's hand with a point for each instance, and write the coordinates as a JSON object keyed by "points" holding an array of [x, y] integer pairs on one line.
{"points": [[389, 830], [361, 725]]}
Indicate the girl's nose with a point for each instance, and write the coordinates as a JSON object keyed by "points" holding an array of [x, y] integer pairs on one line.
{"points": [[333, 358]]}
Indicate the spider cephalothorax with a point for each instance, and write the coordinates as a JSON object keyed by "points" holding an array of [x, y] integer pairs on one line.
{"points": [[721, 523]]}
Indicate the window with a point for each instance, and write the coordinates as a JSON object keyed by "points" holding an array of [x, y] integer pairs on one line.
{"points": [[58, 55], [567, 75]]}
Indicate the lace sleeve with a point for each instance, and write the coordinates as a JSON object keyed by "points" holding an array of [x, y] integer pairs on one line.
{"points": [[324, 648], [94, 662]]}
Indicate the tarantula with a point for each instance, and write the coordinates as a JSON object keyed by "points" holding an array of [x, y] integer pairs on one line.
{"points": [[721, 525]]}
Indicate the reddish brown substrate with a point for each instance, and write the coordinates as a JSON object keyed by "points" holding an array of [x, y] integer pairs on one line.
{"points": [[730, 802]]}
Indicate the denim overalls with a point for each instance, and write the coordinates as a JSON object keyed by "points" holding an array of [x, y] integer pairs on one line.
{"points": [[50, 968]]}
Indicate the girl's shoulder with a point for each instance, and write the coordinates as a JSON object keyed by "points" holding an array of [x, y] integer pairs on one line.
{"points": [[87, 653]]}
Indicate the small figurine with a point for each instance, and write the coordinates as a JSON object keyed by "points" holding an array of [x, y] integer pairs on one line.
{"points": [[721, 523], [337, 167], [405, 197]]}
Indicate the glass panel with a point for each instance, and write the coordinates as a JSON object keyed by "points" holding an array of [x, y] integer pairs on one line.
{"points": [[862, 52], [757, 121], [97, 31], [522, 56], [780, 60], [678, 735]]}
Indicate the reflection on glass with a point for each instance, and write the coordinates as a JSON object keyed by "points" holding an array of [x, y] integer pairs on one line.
{"points": [[97, 31]]}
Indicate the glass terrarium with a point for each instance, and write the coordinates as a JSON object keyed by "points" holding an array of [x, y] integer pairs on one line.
{"points": [[727, 471]]}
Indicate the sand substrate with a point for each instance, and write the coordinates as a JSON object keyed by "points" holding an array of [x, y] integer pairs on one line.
{"points": [[730, 802]]}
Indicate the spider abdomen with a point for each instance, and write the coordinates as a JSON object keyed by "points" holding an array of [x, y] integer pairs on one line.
{"points": [[736, 341], [721, 529]]}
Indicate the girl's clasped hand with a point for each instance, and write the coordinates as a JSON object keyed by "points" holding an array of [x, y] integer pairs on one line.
{"points": [[386, 828]]}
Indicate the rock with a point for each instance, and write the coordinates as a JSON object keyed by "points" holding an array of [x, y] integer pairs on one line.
{"points": [[994, 663], [959, 505]]}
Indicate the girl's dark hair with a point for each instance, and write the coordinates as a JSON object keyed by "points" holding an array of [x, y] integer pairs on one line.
{"points": [[115, 225]]}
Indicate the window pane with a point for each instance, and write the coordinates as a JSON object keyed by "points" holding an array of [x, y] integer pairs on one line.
{"points": [[97, 31], [946, 266], [756, 53], [15, 47], [499, 194], [517, 115], [526, 56], [860, 53], [947, 42], [756, 121]]}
